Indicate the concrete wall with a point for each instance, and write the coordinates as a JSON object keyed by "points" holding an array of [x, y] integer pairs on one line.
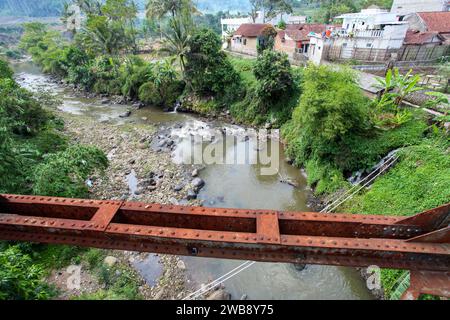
{"points": [[415, 23], [249, 48], [404, 7], [288, 46], [427, 52]]}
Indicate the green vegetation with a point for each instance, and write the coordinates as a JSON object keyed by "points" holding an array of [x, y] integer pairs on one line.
{"points": [[417, 183], [118, 282], [208, 71], [20, 278], [330, 128], [35, 159], [272, 89]]}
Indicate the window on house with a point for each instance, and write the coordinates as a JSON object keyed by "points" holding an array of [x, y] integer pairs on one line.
{"points": [[344, 45], [368, 45], [245, 42]]}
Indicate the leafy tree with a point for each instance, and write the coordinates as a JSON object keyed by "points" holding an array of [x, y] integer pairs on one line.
{"points": [[209, 71], [34, 32], [110, 29], [273, 72], [156, 9], [332, 8], [327, 125], [271, 8], [267, 39], [5, 70]]}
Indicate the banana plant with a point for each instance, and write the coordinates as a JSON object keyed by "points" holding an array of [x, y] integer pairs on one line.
{"points": [[397, 87]]}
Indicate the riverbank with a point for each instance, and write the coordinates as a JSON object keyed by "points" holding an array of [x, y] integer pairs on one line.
{"points": [[132, 142], [128, 151]]}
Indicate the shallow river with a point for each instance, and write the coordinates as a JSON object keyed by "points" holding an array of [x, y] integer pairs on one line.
{"points": [[237, 186]]}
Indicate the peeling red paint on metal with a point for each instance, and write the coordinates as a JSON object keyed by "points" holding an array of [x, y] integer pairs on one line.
{"points": [[419, 243]]}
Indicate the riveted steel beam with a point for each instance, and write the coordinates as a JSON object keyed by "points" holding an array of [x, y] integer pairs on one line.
{"points": [[419, 243]]}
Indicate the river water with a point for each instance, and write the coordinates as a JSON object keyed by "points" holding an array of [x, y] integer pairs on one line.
{"points": [[232, 185]]}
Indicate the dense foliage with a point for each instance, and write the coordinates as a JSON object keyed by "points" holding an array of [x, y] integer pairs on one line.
{"points": [[330, 128], [20, 278], [272, 89], [331, 132], [35, 159], [208, 70]]}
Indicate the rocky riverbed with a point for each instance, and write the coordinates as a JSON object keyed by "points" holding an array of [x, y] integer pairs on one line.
{"points": [[143, 148], [157, 180]]}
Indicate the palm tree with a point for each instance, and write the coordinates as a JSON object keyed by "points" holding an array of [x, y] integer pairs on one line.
{"points": [[176, 41], [156, 9]]}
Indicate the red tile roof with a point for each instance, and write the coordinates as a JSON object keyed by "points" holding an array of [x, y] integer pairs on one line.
{"points": [[416, 37], [300, 32], [436, 21], [251, 29]]}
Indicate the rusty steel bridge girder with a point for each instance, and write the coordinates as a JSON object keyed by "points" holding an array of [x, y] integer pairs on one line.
{"points": [[420, 243]]}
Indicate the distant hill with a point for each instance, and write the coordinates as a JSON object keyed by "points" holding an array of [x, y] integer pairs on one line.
{"points": [[49, 8], [31, 8], [223, 5]]}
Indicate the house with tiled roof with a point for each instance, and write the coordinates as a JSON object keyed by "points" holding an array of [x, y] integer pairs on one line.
{"points": [[372, 35], [248, 37], [428, 37], [295, 39]]}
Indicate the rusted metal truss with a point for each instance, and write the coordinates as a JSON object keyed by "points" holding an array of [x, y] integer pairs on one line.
{"points": [[419, 243]]}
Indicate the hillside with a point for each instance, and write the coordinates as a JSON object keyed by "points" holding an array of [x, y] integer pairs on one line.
{"points": [[46, 8]]}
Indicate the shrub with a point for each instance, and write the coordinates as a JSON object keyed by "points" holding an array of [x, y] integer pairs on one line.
{"points": [[20, 278], [163, 88], [266, 100], [5, 70], [134, 73], [64, 173], [272, 71], [24, 114]]}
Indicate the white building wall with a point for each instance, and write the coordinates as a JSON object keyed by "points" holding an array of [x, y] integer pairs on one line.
{"points": [[316, 50], [404, 7], [232, 24]]}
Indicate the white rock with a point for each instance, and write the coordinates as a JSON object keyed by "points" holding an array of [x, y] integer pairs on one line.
{"points": [[110, 261], [181, 265]]}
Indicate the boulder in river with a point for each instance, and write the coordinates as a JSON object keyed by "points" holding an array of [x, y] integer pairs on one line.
{"points": [[178, 187], [191, 195], [126, 114], [198, 183]]}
